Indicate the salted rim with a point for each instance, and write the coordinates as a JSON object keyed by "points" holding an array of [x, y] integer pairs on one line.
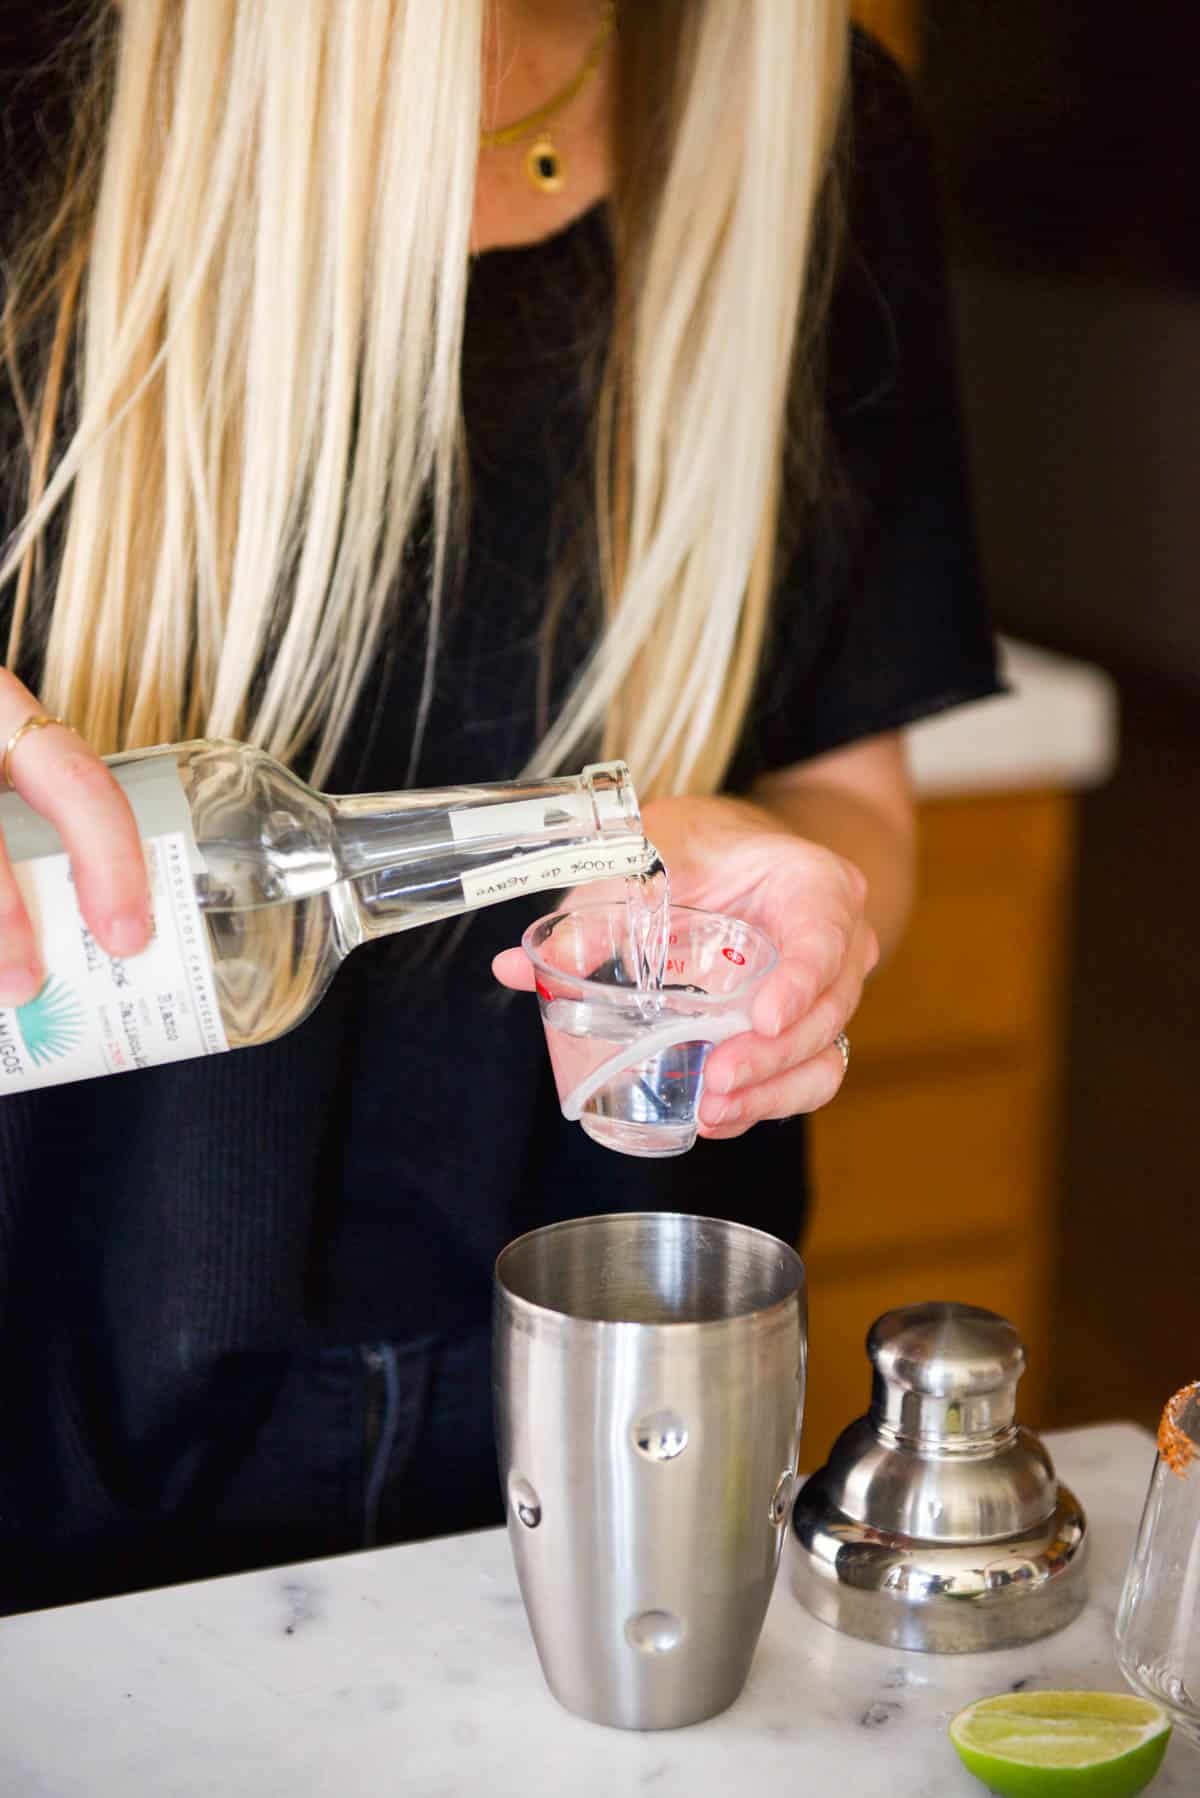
{"points": [[1175, 1445]]}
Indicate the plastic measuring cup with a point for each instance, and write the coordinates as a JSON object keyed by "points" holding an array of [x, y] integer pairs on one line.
{"points": [[629, 1063]]}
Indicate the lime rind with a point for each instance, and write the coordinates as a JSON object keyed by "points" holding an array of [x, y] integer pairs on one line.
{"points": [[1089, 1744]]}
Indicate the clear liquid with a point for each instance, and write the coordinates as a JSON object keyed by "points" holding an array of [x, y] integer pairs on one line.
{"points": [[648, 913], [286, 882], [273, 960], [272, 963], [648, 1105], [289, 886]]}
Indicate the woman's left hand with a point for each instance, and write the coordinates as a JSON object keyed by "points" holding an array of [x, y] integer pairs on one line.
{"points": [[726, 855]]}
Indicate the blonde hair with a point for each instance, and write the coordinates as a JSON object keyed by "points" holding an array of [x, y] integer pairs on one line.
{"points": [[257, 290]]}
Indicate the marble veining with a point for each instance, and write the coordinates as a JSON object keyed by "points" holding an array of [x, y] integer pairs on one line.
{"points": [[411, 1671], [302, 1604]]}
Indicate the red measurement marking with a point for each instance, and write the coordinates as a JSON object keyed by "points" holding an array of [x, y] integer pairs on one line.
{"points": [[544, 991], [674, 965], [673, 939], [735, 956]]}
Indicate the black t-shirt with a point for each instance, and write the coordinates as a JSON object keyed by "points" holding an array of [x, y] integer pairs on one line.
{"points": [[162, 1237]]}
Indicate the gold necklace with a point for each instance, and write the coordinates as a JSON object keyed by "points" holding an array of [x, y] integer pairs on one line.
{"points": [[544, 162]]}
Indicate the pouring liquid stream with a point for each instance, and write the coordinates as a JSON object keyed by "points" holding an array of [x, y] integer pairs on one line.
{"points": [[645, 1061], [648, 920]]}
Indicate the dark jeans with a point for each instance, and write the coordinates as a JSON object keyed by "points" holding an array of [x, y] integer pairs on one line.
{"points": [[365, 1444], [333, 1449]]}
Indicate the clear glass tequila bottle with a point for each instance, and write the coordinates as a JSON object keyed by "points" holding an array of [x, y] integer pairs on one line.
{"points": [[262, 886]]}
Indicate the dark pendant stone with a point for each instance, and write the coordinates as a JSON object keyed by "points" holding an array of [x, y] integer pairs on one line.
{"points": [[544, 166]]}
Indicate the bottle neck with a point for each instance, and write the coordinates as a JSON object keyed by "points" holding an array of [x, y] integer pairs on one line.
{"points": [[413, 858]]}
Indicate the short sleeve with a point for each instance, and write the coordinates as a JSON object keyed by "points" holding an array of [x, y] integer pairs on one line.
{"points": [[879, 618]]}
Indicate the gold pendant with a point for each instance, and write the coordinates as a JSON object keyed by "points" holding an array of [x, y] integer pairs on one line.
{"points": [[544, 165]]}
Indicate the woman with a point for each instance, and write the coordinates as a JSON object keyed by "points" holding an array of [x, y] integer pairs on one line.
{"points": [[426, 414]]}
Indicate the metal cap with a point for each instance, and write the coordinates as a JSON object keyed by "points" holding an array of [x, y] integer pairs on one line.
{"points": [[939, 1456], [944, 1372], [937, 1502]]}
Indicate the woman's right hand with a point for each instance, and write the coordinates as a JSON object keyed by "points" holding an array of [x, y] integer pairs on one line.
{"points": [[56, 773]]}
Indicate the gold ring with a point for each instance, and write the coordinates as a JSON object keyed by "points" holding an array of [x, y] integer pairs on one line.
{"points": [[842, 1042], [35, 721]]}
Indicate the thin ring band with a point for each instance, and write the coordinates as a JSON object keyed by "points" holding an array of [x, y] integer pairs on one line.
{"points": [[35, 721], [842, 1041]]}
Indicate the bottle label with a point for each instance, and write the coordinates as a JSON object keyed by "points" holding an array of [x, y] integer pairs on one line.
{"points": [[101, 1014], [516, 817], [545, 868]]}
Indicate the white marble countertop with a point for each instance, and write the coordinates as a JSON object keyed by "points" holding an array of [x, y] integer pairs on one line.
{"points": [[1058, 727], [411, 1671]]}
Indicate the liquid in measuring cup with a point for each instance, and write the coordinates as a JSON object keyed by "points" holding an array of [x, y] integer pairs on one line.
{"points": [[632, 1068], [643, 1106], [633, 997]]}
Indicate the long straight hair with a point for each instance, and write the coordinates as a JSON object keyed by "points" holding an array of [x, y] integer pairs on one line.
{"points": [[250, 295]]}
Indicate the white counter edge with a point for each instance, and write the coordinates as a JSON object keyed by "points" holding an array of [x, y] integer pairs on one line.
{"points": [[1057, 728]]}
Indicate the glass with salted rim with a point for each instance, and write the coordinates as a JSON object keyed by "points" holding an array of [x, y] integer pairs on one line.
{"points": [[1158, 1622]]}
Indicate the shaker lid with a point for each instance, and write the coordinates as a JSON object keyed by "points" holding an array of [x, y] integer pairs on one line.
{"points": [[937, 1522], [946, 1351], [939, 1456]]}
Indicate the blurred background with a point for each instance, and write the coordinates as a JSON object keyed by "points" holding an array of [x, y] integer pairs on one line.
{"points": [[1022, 1128]]}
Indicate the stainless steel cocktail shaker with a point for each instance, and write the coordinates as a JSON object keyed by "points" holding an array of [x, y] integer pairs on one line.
{"points": [[649, 1387]]}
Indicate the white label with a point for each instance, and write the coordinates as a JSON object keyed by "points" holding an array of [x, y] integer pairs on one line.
{"points": [[513, 818], [550, 868], [101, 1014]]}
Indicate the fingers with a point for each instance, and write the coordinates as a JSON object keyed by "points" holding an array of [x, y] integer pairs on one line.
{"points": [[20, 963], [60, 777], [513, 968], [748, 1059], [815, 915], [809, 965], [802, 1089], [753, 1077]]}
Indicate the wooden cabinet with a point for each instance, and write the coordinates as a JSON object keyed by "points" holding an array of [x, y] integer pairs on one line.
{"points": [[935, 1168], [897, 23]]}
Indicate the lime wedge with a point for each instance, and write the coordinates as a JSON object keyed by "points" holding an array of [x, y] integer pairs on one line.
{"points": [[1062, 1744]]}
